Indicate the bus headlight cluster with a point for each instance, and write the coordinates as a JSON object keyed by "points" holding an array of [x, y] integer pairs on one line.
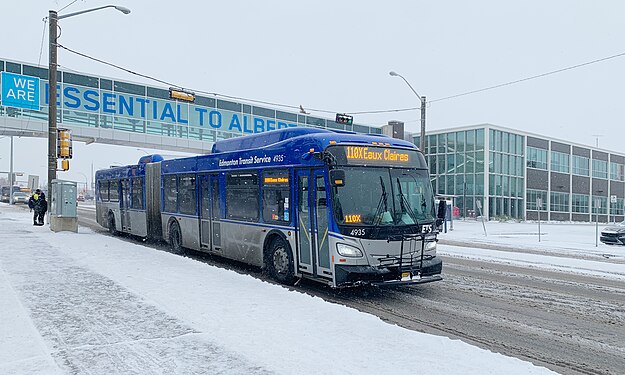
{"points": [[430, 246], [348, 251]]}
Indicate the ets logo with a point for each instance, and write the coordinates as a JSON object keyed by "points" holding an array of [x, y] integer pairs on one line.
{"points": [[20, 91]]}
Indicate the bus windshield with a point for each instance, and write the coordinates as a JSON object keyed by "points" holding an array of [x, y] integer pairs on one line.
{"points": [[384, 197]]}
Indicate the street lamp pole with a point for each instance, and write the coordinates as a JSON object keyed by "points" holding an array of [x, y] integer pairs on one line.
{"points": [[53, 19], [422, 99], [52, 82]]}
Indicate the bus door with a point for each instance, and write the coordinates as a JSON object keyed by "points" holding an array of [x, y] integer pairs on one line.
{"points": [[312, 223], [209, 211], [124, 205]]}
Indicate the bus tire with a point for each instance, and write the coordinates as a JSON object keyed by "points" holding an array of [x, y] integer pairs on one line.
{"points": [[175, 239], [279, 261], [111, 224]]}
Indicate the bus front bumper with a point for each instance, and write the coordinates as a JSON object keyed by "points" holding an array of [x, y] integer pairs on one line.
{"points": [[358, 275]]}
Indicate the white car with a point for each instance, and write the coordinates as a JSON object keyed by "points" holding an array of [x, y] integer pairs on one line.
{"points": [[20, 197]]}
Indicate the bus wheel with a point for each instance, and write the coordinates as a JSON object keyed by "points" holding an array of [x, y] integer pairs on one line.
{"points": [[279, 262], [175, 239], [111, 224]]}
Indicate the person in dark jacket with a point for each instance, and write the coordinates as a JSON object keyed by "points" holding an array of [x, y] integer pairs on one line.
{"points": [[39, 205]]}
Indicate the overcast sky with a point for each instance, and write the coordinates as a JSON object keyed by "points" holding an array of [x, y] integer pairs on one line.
{"points": [[335, 56]]}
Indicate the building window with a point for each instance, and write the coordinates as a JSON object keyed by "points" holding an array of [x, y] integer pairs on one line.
{"points": [[431, 144], [536, 158], [470, 143], [599, 205], [479, 139], [559, 162], [532, 196], [451, 142], [242, 193], [617, 171], [460, 141], [599, 168], [581, 165], [559, 202], [580, 203], [442, 143], [617, 208]]}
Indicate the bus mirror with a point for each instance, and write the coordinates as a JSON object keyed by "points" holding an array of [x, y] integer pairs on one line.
{"points": [[442, 209], [337, 177]]}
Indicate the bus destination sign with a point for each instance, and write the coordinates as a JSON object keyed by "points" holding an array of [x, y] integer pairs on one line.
{"points": [[377, 156]]}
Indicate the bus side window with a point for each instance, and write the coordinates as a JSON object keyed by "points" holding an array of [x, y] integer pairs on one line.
{"points": [[187, 199], [276, 196], [114, 191], [169, 192], [137, 193], [242, 196]]}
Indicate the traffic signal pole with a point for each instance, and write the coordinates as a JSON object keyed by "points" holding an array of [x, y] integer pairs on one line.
{"points": [[53, 19]]}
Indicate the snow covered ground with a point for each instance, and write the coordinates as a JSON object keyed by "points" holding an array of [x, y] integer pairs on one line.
{"points": [[568, 247], [87, 303]]}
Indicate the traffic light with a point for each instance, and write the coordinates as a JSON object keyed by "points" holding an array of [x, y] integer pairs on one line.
{"points": [[342, 118], [65, 164], [64, 144], [181, 94]]}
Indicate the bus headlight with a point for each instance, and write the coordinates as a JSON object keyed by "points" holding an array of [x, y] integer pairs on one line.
{"points": [[430, 246], [348, 251]]}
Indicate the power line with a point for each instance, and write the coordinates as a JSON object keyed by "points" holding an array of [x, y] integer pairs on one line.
{"points": [[529, 78], [355, 112]]}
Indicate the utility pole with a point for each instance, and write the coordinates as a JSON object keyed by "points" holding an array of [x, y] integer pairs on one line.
{"points": [[53, 18], [11, 175]]}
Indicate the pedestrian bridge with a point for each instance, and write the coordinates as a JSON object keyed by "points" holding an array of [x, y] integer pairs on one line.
{"points": [[109, 111]]}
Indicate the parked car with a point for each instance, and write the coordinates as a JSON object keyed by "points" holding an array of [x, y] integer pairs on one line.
{"points": [[20, 197], [614, 234]]}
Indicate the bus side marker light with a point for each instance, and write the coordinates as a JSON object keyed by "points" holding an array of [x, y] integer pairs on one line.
{"points": [[342, 260], [332, 142]]}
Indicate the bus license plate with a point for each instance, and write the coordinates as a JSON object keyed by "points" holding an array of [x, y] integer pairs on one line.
{"points": [[405, 276]]}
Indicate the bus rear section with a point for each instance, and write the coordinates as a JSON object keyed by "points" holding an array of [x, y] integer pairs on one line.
{"points": [[128, 198]]}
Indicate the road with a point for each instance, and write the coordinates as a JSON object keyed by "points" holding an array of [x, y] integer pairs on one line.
{"points": [[572, 324]]}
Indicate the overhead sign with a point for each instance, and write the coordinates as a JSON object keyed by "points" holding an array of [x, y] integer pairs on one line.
{"points": [[136, 108], [20, 91]]}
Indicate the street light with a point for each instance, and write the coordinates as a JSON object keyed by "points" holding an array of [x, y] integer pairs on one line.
{"points": [[422, 99], [86, 181], [52, 65]]}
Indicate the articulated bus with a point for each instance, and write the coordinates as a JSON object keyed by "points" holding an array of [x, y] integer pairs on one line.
{"points": [[338, 207]]}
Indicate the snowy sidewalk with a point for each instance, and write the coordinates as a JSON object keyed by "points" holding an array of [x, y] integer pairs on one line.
{"points": [[87, 303]]}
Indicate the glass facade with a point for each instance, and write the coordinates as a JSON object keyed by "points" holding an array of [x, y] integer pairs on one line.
{"points": [[496, 167], [456, 161], [506, 174], [97, 102]]}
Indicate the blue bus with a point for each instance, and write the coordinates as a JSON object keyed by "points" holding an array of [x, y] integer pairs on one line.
{"points": [[338, 207]]}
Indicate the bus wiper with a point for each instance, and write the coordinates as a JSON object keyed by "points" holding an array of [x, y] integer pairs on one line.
{"points": [[405, 205], [382, 205]]}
